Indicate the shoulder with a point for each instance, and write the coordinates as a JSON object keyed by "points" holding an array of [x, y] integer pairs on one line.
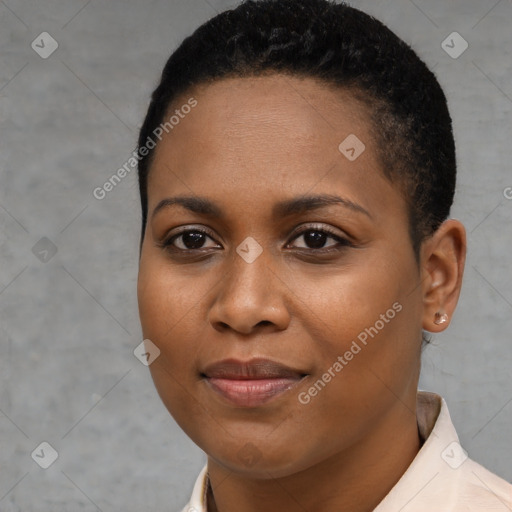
{"points": [[442, 477], [480, 489]]}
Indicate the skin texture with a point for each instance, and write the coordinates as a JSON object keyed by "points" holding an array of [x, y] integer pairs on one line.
{"points": [[248, 144]]}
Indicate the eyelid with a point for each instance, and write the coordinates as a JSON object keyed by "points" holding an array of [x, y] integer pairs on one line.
{"points": [[196, 228]]}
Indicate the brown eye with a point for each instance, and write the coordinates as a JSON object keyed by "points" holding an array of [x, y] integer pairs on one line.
{"points": [[316, 238], [192, 239], [189, 240]]}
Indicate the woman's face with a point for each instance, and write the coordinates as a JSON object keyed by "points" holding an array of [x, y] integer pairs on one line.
{"points": [[306, 261]]}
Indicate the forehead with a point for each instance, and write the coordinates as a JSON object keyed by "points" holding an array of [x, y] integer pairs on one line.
{"points": [[303, 106], [267, 136]]}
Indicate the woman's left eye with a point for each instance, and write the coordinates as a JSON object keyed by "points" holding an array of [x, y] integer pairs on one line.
{"points": [[315, 238]]}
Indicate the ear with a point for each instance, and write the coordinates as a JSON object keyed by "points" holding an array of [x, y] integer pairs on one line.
{"points": [[442, 266]]}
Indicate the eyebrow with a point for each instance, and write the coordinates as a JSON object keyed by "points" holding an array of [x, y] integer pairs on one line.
{"points": [[294, 206]]}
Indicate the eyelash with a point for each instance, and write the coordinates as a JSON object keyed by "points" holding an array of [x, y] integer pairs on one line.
{"points": [[341, 241]]}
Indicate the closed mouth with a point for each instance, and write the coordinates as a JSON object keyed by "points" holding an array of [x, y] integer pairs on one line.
{"points": [[251, 383]]}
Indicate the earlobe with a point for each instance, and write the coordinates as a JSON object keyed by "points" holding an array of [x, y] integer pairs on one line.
{"points": [[443, 259]]}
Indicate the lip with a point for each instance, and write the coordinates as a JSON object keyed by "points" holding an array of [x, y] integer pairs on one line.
{"points": [[251, 383]]}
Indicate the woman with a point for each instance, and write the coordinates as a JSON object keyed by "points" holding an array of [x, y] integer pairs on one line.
{"points": [[297, 169]]}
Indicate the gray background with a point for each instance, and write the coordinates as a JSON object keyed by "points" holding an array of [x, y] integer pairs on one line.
{"points": [[69, 325]]}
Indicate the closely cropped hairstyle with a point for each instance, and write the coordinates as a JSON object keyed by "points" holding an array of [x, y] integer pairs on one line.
{"points": [[341, 46]]}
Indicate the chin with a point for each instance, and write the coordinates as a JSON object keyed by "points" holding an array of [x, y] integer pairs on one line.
{"points": [[263, 464]]}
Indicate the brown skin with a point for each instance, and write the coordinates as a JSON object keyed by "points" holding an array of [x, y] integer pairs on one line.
{"points": [[248, 144]]}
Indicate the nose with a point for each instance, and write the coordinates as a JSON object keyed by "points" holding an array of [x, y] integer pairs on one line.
{"points": [[250, 296]]}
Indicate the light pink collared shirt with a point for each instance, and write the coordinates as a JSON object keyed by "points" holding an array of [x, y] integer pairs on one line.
{"points": [[441, 478]]}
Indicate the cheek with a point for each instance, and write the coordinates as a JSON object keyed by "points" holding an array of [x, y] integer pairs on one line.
{"points": [[167, 300], [377, 369], [342, 303], [369, 319], [168, 308]]}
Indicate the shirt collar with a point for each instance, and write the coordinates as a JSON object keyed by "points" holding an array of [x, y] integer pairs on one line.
{"points": [[420, 481]]}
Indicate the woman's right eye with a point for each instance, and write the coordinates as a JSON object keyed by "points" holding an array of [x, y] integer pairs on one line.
{"points": [[188, 240]]}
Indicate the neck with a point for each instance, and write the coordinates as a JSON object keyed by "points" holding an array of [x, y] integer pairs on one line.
{"points": [[355, 479]]}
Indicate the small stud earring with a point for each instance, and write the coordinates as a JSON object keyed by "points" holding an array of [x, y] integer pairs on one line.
{"points": [[441, 318]]}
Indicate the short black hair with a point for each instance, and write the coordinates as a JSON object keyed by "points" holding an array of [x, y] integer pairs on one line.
{"points": [[341, 46]]}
